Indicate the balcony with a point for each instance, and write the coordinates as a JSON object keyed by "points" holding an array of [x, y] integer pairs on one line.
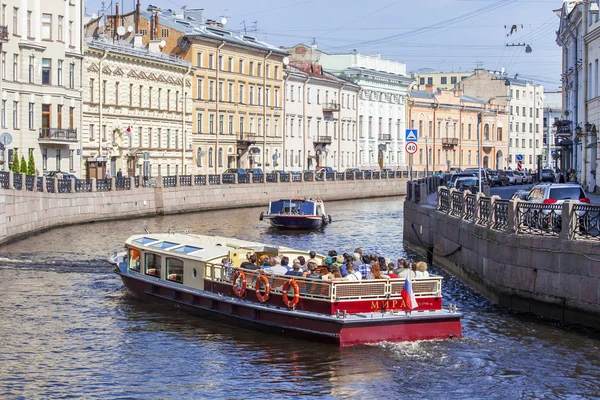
{"points": [[385, 138], [322, 140], [246, 139], [331, 107], [58, 135], [3, 34], [449, 142]]}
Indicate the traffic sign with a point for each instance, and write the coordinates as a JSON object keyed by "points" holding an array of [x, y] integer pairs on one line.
{"points": [[519, 157], [411, 147], [412, 135]]}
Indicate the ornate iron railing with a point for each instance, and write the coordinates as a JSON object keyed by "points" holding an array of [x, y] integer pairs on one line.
{"points": [[349, 176], [309, 177], [4, 177], [185, 180], [376, 175], [123, 183], [539, 219], [329, 176], [367, 174], [18, 181], [339, 176], [66, 134], [83, 185], [284, 177], [29, 182], [443, 199], [102, 185], [297, 177], [500, 215], [244, 178], [50, 185], [271, 177], [40, 184], [199, 180], [228, 179], [418, 195], [457, 204], [258, 178], [64, 185], [214, 179], [587, 225], [485, 210], [470, 203], [169, 181], [359, 175]]}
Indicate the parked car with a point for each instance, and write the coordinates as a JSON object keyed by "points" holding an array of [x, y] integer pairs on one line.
{"points": [[548, 175], [470, 183], [240, 171], [454, 177], [514, 178], [353, 170], [485, 176], [255, 171], [520, 194], [65, 175], [527, 178], [498, 178]]}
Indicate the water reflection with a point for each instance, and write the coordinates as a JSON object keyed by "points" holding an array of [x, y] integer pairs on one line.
{"points": [[70, 329]]}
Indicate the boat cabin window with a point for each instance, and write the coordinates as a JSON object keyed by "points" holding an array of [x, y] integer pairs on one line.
{"points": [[153, 264], [308, 208], [145, 240], [319, 210], [174, 270], [134, 260], [164, 245], [187, 249]]}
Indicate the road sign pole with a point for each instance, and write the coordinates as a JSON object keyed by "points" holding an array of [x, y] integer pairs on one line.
{"points": [[410, 165]]}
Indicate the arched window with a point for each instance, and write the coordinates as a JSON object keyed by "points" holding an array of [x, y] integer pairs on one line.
{"points": [[199, 157], [220, 157], [486, 132], [486, 162], [210, 157], [499, 134]]}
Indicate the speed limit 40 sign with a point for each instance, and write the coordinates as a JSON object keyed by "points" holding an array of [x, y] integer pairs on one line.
{"points": [[411, 147]]}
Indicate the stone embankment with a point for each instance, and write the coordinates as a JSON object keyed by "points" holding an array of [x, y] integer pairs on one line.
{"points": [[33, 204], [543, 259]]}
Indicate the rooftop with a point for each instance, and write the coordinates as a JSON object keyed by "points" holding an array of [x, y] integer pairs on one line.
{"points": [[127, 48]]}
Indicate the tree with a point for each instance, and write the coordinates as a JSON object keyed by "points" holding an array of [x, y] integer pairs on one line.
{"points": [[31, 164], [23, 168], [16, 168]]}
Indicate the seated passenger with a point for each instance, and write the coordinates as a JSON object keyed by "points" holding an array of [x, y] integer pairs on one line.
{"points": [[391, 273], [422, 270], [334, 274], [313, 258], [279, 269], [376, 272], [399, 267], [295, 271], [226, 262], [302, 262], [251, 263], [406, 271], [311, 272], [365, 267], [352, 275]]}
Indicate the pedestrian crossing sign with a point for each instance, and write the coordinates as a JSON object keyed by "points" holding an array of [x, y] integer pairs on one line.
{"points": [[411, 135]]}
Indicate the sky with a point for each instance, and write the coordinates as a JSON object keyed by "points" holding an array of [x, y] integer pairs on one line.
{"points": [[444, 35]]}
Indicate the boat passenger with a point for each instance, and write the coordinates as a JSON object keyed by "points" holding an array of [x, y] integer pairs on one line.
{"points": [[312, 271], [376, 272], [391, 273], [359, 251], [352, 275], [313, 258], [400, 266], [406, 271], [279, 269], [365, 267], [295, 271], [226, 262], [334, 274], [422, 270], [251, 263], [302, 262]]}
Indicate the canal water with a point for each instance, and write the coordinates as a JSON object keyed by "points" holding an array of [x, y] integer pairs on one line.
{"points": [[69, 329]]}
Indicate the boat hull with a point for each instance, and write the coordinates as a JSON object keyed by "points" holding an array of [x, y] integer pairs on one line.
{"points": [[295, 222], [324, 328]]}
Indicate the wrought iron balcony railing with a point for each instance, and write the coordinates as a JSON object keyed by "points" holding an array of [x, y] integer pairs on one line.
{"points": [[63, 134], [4, 33], [322, 140], [448, 141], [331, 107]]}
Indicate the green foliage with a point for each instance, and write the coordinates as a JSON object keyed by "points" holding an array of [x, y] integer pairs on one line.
{"points": [[23, 168], [16, 167], [31, 164]]}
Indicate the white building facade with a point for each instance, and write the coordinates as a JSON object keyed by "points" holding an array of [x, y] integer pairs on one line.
{"points": [[320, 120], [41, 83], [552, 113], [137, 112]]}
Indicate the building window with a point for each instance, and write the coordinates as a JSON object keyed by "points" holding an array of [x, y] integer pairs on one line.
{"points": [[71, 117], [211, 59], [29, 15], [164, 32], [199, 122], [3, 65], [71, 40], [211, 123], [210, 157], [47, 26], [72, 76], [15, 114], [45, 159], [46, 71], [59, 116], [60, 72], [453, 80], [31, 115], [430, 81], [199, 59], [230, 92], [58, 159], [15, 20], [220, 157], [211, 90], [15, 67], [60, 28], [153, 263], [221, 118], [91, 132], [31, 69], [421, 81], [444, 80]]}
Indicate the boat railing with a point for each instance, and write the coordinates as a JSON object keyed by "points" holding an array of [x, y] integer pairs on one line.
{"points": [[336, 290]]}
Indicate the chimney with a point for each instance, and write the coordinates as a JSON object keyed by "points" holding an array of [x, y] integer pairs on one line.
{"points": [[193, 14], [137, 40], [154, 46], [429, 88], [137, 16], [116, 17]]}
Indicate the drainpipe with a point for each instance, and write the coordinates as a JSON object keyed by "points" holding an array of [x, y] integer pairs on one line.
{"points": [[339, 127], [264, 132], [100, 102], [217, 108], [184, 144], [284, 121]]}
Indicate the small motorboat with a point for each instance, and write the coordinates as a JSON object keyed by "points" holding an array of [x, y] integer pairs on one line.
{"points": [[297, 213]]}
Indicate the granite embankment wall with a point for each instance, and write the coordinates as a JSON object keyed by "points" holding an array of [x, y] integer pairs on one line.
{"points": [[547, 276], [26, 212]]}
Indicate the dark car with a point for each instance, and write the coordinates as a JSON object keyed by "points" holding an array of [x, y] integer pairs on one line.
{"points": [[548, 175], [240, 171], [65, 175], [255, 171], [454, 177], [485, 176], [499, 178]]}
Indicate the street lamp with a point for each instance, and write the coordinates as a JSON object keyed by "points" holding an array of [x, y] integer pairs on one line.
{"points": [[479, 115]]}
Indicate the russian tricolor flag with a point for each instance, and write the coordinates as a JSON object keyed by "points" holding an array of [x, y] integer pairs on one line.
{"points": [[408, 296]]}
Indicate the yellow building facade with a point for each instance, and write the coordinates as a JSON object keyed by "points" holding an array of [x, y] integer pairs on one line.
{"points": [[448, 130]]}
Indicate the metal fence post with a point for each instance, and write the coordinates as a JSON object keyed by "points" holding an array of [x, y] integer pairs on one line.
{"points": [[477, 210]]}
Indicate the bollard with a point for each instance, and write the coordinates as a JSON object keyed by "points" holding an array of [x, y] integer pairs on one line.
{"points": [[72, 185], [113, 183], [132, 182], [93, 185]]}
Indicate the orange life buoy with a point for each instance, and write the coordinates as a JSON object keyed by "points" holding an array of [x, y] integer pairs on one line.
{"points": [[239, 290], [291, 303], [263, 297]]}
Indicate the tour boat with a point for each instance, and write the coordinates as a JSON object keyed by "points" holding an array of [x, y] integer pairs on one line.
{"points": [[297, 213], [187, 272]]}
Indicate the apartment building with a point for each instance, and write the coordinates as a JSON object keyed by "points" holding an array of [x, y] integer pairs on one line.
{"points": [[320, 119], [525, 102], [41, 50], [137, 110], [448, 125], [438, 79]]}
